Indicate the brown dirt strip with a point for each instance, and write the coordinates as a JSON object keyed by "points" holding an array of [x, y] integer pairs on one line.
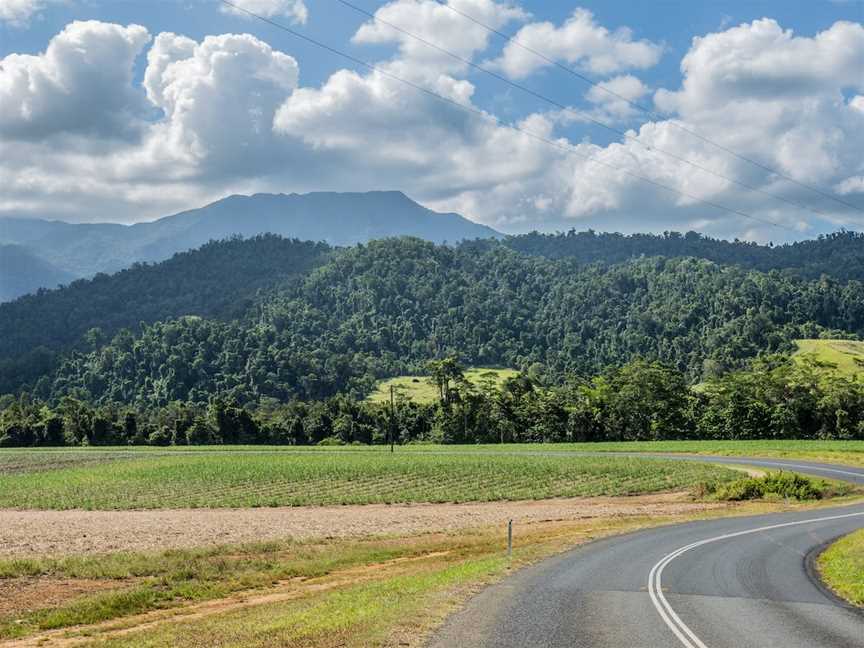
{"points": [[58, 533], [22, 595], [280, 592]]}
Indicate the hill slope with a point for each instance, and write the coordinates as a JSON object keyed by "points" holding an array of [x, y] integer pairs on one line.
{"points": [[335, 218], [219, 281], [839, 255], [846, 357], [22, 272], [344, 318]]}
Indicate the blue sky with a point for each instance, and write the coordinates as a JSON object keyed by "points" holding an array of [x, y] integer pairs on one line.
{"points": [[514, 185]]}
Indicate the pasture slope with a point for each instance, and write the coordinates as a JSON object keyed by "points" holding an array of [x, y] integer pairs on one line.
{"points": [[846, 355], [420, 389]]}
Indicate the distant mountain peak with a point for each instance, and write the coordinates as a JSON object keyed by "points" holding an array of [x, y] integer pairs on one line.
{"points": [[337, 218]]}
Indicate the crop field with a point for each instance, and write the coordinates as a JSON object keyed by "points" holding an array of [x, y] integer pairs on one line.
{"points": [[847, 355], [15, 462], [254, 479], [420, 390]]}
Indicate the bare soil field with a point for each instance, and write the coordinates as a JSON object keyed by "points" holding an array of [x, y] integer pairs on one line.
{"points": [[57, 533]]}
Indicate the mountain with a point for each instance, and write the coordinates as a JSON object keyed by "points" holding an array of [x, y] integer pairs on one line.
{"points": [[271, 318], [335, 218], [22, 272]]}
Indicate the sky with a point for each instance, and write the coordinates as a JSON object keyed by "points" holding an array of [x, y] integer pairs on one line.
{"points": [[736, 119]]}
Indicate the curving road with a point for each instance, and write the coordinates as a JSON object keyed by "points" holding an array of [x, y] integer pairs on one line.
{"points": [[728, 583]]}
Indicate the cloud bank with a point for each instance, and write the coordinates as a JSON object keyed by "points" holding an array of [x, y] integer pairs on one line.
{"points": [[82, 140]]}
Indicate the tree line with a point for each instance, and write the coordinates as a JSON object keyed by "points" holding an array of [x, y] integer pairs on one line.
{"points": [[774, 398]]}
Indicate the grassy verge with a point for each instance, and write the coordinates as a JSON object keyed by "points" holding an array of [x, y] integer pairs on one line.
{"points": [[842, 567], [254, 479], [351, 593]]}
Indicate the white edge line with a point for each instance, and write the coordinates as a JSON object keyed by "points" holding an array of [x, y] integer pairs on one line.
{"points": [[655, 587]]}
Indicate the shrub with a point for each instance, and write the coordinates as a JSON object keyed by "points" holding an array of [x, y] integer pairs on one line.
{"points": [[779, 484]]}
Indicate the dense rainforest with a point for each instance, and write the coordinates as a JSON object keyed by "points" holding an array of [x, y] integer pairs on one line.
{"points": [[270, 318], [775, 398], [839, 255]]}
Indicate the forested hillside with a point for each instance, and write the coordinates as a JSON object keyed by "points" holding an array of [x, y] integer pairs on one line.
{"points": [[219, 281], [334, 321], [839, 255]]}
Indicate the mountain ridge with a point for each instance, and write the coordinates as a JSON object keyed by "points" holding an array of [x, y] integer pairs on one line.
{"points": [[22, 272], [336, 218]]}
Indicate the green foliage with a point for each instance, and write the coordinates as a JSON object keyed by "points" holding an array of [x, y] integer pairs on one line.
{"points": [[388, 307], [778, 484], [776, 398], [221, 280], [839, 255], [286, 339], [282, 319]]}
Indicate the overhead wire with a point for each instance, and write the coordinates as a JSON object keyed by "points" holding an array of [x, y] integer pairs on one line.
{"points": [[568, 148], [577, 113], [645, 109]]}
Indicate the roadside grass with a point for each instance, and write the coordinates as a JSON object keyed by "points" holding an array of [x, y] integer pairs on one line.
{"points": [[846, 355], [254, 479], [152, 581], [352, 592], [842, 567], [420, 390]]}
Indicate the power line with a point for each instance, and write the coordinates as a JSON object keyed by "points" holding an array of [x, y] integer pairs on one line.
{"points": [[579, 114], [647, 110], [569, 148]]}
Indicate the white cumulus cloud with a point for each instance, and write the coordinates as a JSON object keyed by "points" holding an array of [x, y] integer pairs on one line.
{"points": [[439, 25], [81, 84], [580, 41], [19, 12], [614, 97], [295, 10], [219, 96]]}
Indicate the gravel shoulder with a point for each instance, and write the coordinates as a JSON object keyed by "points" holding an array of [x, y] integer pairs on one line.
{"points": [[57, 533]]}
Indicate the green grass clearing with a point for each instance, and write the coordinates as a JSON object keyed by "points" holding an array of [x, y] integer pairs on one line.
{"points": [[842, 567], [420, 390], [846, 355]]}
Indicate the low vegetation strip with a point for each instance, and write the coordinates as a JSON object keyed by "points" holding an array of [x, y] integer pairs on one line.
{"points": [[239, 480], [842, 567], [775, 485], [352, 593]]}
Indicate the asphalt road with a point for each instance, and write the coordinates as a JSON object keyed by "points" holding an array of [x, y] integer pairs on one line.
{"points": [[728, 583]]}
